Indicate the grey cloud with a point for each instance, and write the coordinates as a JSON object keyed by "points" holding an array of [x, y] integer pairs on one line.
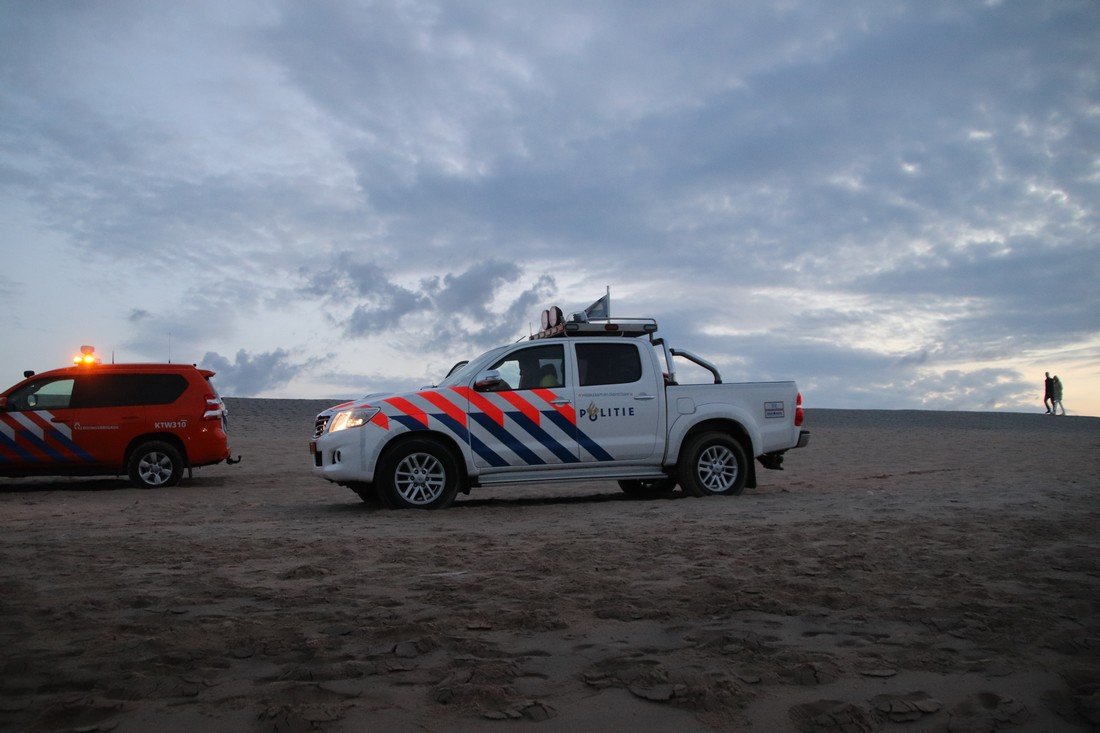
{"points": [[251, 374], [385, 314], [456, 306]]}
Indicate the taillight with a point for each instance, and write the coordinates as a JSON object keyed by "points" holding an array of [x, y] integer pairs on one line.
{"points": [[799, 415], [214, 408]]}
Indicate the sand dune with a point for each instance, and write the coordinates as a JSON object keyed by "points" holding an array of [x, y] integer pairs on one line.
{"points": [[908, 571]]}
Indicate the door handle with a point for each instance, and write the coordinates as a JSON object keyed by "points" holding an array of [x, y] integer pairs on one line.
{"points": [[645, 397], [561, 403]]}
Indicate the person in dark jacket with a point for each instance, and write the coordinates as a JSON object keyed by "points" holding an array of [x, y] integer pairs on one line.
{"points": [[1048, 392], [1056, 398]]}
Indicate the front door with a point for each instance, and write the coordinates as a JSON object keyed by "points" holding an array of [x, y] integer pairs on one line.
{"points": [[528, 421], [36, 429]]}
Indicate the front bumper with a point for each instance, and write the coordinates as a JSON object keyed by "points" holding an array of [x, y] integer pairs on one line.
{"points": [[339, 457]]}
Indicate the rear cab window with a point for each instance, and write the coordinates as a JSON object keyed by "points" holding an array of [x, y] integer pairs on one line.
{"points": [[608, 364]]}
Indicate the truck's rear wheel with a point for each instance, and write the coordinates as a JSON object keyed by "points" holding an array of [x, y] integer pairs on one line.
{"points": [[155, 464], [648, 488], [418, 474], [713, 464]]}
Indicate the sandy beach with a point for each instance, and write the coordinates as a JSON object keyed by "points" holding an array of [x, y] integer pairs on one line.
{"points": [[909, 571]]}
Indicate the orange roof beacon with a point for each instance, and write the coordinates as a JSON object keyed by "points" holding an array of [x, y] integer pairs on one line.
{"points": [[149, 421]]}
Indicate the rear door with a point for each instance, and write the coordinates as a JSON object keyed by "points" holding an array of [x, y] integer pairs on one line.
{"points": [[618, 410], [106, 413]]}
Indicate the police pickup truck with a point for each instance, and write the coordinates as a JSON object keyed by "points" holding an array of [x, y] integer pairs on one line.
{"points": [[577, 401]]}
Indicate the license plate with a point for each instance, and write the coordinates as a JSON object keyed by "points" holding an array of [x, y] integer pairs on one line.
{"points": [[312, 447]]}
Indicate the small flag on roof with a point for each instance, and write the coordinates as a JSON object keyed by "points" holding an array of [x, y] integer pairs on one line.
{"points": [[601, 309]]}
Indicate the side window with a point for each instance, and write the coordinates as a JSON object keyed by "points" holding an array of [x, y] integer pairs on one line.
{"points": [[47, 395], [163, 389], [107, 390], [128, 390], [538, 366], [608, 364]]}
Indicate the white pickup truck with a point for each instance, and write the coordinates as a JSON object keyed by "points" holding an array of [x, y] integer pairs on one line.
{"points": [[579, 401]]}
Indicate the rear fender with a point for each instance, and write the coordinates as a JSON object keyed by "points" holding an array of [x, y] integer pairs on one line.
{"points": [[722, 418]]}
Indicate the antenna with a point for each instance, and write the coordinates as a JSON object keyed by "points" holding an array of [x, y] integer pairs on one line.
{"points": [[169, 347]]}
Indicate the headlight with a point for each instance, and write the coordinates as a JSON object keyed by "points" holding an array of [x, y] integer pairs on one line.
{"points": [[352, 418]]}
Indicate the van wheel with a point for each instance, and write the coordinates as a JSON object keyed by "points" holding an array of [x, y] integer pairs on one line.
{"points": [[712, 464], [647, 489], [155, 464], [418, 474]]}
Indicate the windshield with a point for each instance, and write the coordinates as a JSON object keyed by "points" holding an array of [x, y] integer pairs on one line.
{"points": [[465, 374]]}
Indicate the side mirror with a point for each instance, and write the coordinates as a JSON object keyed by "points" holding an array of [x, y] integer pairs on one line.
{"points": [[488, 381], [3, 403]]}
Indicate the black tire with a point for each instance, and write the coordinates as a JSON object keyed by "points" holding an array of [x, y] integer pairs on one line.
{"points": [[648, 488], [713, 464], [155, 465], [418, 474]]}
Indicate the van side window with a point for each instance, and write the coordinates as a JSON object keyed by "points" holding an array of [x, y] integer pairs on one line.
{"points": [[54, 394], [608, 364], [128, 390], [163, 389]]}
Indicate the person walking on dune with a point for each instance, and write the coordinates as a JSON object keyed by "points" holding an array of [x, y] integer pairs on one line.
{"points": [[1048, 392], [1056, 396]]}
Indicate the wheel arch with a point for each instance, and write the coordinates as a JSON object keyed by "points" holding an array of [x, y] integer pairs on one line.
{"points": [[447, 441], [730, 427], [170, 438]]}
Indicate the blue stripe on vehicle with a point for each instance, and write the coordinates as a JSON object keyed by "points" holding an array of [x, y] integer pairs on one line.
{"points": [[547, 440], [488, 454], [9, 443], [585, 442], [453, 425], [66, 441], [42, 445], [410, 422], [508, 439]]}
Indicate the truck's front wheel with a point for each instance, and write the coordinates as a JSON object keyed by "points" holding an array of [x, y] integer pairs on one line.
{"points": [[713, 463], [418, 474]]}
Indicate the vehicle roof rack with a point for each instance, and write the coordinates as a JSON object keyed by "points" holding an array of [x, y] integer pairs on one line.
{"points": [[625, 327]]}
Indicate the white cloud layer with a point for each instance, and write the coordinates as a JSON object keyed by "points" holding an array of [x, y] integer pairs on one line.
{"points": [[893, 202]]}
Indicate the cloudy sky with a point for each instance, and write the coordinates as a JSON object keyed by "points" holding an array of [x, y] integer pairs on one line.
{"points": [[895, 203]]}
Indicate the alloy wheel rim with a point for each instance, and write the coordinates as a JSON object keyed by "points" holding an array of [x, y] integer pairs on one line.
{"points": [[717, 469], [420, 478], [155, 468]]}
